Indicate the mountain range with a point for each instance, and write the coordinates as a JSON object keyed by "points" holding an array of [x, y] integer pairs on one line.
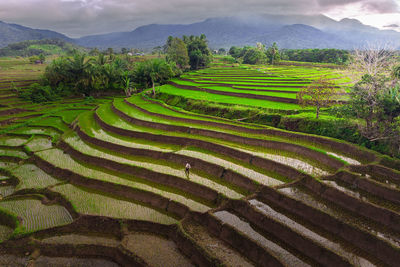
{"points": [[13, 33], [288, 31]]}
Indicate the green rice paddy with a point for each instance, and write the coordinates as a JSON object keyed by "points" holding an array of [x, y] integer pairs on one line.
{"points": [[35, 215], [93, 203], [60, 164]]}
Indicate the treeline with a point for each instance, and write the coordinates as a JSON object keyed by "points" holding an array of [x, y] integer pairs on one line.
{"points": [[335, 56], [189, 52], [84, 75], [256, 55], [37, 47], [261, 55]]}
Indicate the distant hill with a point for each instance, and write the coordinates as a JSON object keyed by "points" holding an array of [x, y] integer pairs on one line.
{"points": [[13, 33], [294, 31], [288, 31], [37, 47]]}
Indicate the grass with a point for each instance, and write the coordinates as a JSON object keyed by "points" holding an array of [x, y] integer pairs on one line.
{"points": [[30, 176], [233, 100], [54, 122], [162, 108], [96, 132], [250, 173], [68, 116], [6, 191], [61, 160], [253, 92], [165, 167], [13, 141], [91, 128], [13, 153], [38, 143], [95, 203], [34, 215], [36, 130], [138, 114]]}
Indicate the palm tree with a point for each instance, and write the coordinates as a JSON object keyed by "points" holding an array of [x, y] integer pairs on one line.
{"points": [[159, 71], [151, 72], [81, 72]]}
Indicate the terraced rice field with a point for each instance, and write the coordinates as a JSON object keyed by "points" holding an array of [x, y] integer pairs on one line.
{"points": [[268, 87], [104, 185]]}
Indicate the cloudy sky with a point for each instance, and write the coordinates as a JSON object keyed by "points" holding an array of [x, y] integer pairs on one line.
{"points": [[83, 17]]}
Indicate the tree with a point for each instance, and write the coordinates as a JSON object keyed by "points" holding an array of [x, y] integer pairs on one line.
{"points": [[110, 51], [320, 93], [94, 52], [260, 46], [273, 54], [221, 51], [42, 58], [235, 52], [375, 97], [199, 54], [148, 73], [376, 102], [177, 52], [254, 56], [157, 50], [374, 61], [80, 69]]}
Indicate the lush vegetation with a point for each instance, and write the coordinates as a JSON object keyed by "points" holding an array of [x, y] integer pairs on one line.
{"points": [[335, 56], [37, 47], [83, 75], [256, 55], [320, 93], [272, 55], [199, 54], [121, 160]]}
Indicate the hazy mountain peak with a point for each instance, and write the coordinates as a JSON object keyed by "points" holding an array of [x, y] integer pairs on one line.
{"points": [[351, 22], [288, 31]]}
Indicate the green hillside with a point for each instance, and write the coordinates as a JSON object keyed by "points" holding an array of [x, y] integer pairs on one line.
{"points": [[37, 47]]}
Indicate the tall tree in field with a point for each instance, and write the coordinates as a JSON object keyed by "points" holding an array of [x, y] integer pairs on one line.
{"points": [[151, 72], [177, 52], [81, 72], [235, 51], [273, 54], [199, 54], [374, 95], [320, 93], [254, 56]]}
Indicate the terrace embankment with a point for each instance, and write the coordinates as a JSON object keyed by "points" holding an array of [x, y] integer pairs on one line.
{"points": [[197, 164], [259, 162], [335, 145], [252, 96], [114, 189], [273, 145], [145, 197], [333, 223]]}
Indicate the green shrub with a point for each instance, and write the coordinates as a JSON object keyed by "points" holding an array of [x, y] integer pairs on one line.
{"points": [[38, 93]]}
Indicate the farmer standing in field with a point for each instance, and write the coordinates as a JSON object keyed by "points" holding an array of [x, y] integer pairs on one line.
{"points": [[187, 169]]}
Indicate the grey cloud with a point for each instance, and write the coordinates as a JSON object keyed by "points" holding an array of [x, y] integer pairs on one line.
{"points": [[83, 17], [392, 26], [373, 6]]}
